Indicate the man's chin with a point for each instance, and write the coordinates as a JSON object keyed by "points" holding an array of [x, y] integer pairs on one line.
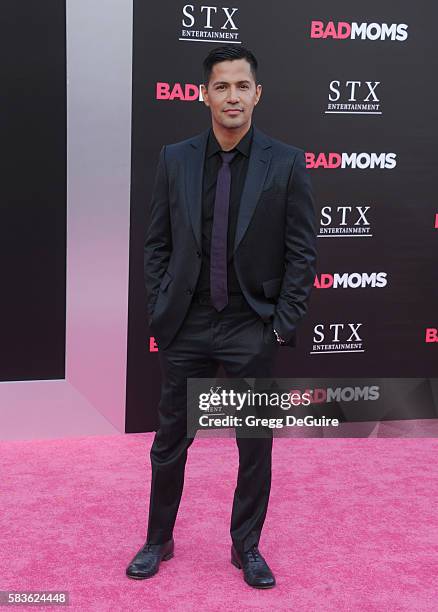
{"points": [[233, 123]]}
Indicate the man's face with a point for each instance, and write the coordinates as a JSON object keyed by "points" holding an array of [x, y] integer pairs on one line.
{"points": [[231, 86]]}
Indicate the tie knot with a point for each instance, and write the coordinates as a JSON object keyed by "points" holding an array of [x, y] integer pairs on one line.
{"points": [[227, 156]]}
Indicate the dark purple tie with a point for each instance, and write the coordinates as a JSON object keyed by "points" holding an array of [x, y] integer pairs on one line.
{"points": [[218, 253]]}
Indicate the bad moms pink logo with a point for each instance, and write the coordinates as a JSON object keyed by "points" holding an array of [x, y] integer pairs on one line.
{"points": [[342, 30], [177, 91], [361, 161]]}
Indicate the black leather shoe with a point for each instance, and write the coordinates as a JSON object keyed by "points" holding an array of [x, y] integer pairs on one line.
{"points": [[256, 571], [147, 561]]}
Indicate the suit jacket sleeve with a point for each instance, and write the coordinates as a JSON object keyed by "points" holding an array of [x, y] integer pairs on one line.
{"points": [[300, 255], [158, 243]]}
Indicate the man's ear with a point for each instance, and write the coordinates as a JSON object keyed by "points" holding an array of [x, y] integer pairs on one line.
{"points": [[259, 91], [204, 90]]}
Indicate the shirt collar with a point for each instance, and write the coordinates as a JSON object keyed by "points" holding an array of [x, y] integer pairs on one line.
{"points": [[243, 146]]}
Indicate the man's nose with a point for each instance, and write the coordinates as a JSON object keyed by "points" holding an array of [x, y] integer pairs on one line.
{"points": [[234, 95]]}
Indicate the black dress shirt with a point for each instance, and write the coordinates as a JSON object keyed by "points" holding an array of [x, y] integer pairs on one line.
{"points": [[238, 167]]}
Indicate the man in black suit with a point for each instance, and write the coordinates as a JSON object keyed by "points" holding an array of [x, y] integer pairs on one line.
{"points": [[229, 266]]}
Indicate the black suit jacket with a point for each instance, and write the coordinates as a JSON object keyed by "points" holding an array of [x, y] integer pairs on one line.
{"points": [[275, 243]]}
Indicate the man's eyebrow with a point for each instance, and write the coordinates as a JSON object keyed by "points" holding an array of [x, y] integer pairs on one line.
{"points": [[226, 82]]}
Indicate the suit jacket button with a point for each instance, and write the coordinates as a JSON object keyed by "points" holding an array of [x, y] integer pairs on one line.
{"points": [[189, 292], [198, 253]]}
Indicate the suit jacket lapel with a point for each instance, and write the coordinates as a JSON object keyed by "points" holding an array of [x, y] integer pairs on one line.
{"points": [[194, 164], [258, 166]]}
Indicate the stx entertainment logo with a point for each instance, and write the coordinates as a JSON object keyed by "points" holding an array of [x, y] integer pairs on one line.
{"points": [[362, 161], [344, 221], [364, 31], [353, 98], [210, 403], [337, 338], [350, 280], [209, 23], [431, 334]]}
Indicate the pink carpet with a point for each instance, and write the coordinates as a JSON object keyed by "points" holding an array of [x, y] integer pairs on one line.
{"points": [[352, 525]]}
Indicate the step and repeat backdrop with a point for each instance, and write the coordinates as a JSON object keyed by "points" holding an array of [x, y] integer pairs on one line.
{"points": [[355, 88], [33, 190]]}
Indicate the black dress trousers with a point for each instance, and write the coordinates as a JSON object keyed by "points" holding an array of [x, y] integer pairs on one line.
{"points": [[239, 340]]}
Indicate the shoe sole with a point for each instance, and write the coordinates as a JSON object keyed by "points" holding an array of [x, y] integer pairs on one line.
{"points": [[165, 558], [236, 564], [254, 586]]}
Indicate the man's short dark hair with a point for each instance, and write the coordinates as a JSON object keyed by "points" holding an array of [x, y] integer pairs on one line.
{"points": [[228, 52]]}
